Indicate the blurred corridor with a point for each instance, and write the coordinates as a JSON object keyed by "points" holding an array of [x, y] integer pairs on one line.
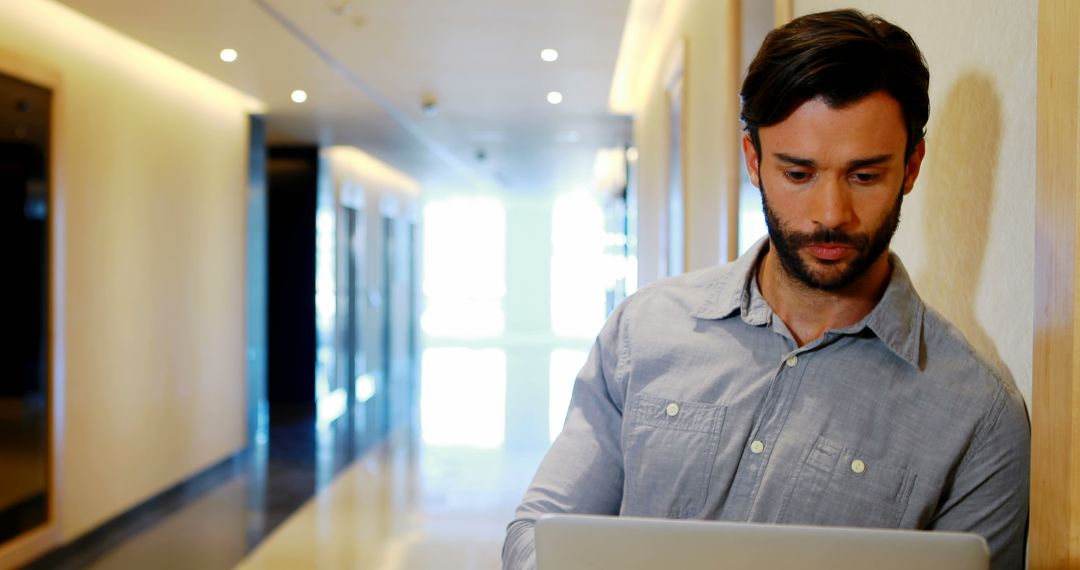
{"points": [[298, 284]]}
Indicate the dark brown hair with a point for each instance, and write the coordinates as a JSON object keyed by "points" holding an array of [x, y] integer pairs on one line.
{"points": [[840, 56]]}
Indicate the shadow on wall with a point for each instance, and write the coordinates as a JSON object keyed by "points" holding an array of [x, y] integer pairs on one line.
{"points": [[959, 179]]}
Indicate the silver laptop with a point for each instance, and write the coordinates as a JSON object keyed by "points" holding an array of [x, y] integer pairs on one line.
{"points": [[580, 542]]}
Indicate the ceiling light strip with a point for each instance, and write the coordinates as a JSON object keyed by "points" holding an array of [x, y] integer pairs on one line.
{"points": [[427, 140]]}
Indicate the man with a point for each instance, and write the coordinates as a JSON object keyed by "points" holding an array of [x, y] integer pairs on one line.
{"points": [[806, 382]]}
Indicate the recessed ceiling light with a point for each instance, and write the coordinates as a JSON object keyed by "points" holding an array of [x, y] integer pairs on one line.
{"points": [[549, 54], [228, 55], [554, 97], [299, 96]]}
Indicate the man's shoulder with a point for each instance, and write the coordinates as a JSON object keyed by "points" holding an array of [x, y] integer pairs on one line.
{"points": [[950, 357], [687, 291], [692, 280]]}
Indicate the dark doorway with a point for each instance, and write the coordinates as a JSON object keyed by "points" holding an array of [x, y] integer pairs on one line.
{"points": [[292, 185], [24, 293]]}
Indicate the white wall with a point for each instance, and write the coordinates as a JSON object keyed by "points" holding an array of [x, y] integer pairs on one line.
{"points": [[711, 137], [149, 182], [967, 232]]}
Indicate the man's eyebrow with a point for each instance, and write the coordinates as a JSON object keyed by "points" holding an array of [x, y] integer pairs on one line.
{"points": [[869, 161], [794, 159], [809, 162]]}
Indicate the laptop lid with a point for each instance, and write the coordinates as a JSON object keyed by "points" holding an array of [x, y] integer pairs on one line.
{"points": [[585, 542]]}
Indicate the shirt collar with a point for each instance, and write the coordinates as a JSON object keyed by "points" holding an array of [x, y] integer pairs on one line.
{"points": [[896, 320], [898, 317], [731, 291]]}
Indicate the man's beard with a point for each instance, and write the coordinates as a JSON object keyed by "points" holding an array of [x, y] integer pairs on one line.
{"points": [[869, 247]]}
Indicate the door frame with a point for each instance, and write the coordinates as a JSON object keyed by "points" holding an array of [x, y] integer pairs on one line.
{"points": [[1054, 531], [37, 541]]}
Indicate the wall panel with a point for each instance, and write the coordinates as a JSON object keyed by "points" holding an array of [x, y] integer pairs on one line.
{"points": [[149, 172], [710, 30], [1055, 454]]}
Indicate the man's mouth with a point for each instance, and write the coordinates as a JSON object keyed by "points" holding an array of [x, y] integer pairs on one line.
{"points": [[828, 251]]}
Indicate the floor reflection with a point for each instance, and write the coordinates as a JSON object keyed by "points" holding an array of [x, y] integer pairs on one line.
{"points": [[212, 521], [406, 506], [443, 498], [319, 495]]}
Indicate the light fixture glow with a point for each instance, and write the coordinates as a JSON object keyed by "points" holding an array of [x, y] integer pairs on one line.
{"points": [[330, 407], [365, 387], [228, 55], [554, 97], [549, 54], [299, 96]]}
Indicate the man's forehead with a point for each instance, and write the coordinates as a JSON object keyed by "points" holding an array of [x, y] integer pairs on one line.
{"points": [[869, 127]]}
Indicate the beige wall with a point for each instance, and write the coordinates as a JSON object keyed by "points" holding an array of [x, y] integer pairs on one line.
{"points": [[149, 186], [968, 229], [712, 133], [967, 234]]}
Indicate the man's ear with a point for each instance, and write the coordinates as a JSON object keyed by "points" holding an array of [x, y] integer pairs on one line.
{"points": [[914, 163], [753, 161]]}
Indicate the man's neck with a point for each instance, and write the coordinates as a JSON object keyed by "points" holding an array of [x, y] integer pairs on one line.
{"points": [[807, 312]]}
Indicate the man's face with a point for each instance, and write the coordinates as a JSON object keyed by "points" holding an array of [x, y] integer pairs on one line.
{"points": [[832, 182]]}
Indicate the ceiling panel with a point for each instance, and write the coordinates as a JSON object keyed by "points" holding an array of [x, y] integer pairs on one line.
{"points": [[367, 64]]}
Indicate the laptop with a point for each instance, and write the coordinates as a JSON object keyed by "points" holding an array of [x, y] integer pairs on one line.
{"points": [[587, 542]]}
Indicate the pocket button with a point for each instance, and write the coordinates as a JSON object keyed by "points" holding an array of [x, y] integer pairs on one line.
{"points": [[672, 410], [858, 466]]}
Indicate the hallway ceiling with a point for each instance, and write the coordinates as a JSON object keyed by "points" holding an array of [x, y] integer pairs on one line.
{"points": [[367, 64]]}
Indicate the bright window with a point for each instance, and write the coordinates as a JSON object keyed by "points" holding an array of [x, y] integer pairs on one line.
{"points": [[464, 268], [463, 397], [579, 269], [751, 218]]}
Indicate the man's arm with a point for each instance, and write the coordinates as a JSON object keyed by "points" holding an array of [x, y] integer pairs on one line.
{"points": [[989, 495], [583, 470]]}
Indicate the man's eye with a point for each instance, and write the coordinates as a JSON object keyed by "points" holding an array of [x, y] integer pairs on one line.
{"points": [[865, 177], [797, 175]]}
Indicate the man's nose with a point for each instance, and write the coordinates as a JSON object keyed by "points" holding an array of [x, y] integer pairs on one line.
{"points": [[831, 204]]}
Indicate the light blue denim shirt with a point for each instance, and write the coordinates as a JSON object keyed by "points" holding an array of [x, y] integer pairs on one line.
{"points": [[697, 403]]}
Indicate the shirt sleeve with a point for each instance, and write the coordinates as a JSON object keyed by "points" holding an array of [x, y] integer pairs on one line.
{"points": [[989, 493], [583, 470]]}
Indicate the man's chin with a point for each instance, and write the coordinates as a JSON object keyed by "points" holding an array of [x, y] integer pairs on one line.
{"points": [[825, 275]]}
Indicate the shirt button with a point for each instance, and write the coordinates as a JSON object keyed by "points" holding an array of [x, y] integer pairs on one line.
{"points": [[672, 410], [858, 466], [757, 446], [792, 361]]}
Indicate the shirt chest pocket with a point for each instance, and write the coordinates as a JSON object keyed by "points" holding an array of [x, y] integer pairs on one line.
{"points": [[669, 449], [839, 486]]}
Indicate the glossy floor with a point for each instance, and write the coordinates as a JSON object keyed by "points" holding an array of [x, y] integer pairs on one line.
{"points": [[317, 497], [406, 506]]}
